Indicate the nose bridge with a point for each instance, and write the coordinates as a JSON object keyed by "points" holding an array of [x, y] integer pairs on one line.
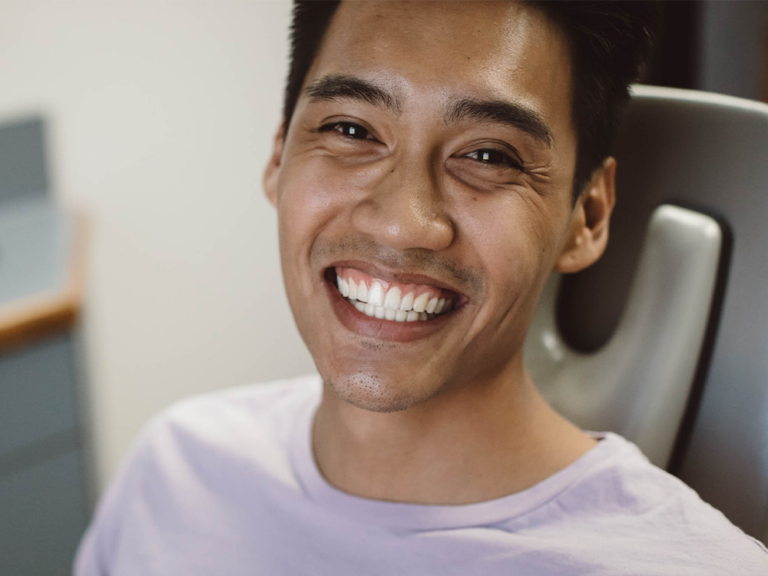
{"points": [[405, 207]]}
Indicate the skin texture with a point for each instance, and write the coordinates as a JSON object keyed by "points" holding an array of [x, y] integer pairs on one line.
{"points": [[451, 417]]}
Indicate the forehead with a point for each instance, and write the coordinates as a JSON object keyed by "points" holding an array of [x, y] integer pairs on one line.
{"points": [[436, 50]]}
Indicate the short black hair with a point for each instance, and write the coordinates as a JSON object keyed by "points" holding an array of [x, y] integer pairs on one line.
{"points": [[611, 42]]}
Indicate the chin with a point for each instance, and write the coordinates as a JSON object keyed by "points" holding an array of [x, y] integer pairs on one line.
{"points": [[376, 394]]}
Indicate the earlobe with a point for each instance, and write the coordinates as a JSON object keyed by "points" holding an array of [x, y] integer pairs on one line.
{"points": [[587, 235], [272, 170]]}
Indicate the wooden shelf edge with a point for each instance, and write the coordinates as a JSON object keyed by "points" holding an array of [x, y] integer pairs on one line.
{"points": [[40, 315]]}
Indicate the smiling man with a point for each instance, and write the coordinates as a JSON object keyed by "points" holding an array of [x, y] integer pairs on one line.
{"points": [[437, 161]]}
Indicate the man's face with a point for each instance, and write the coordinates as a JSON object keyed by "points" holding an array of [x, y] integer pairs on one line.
{"points": [[433, 151]]}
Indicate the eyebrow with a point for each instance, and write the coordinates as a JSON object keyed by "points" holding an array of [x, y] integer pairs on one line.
{"points": [[335, 86], [338, 86], [502, 112]]}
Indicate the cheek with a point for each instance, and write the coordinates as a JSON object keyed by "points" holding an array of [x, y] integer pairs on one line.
{"points": [[315, 198], [305, 206], [512, 235], [306, 199], [513, 240], [315, 190]]}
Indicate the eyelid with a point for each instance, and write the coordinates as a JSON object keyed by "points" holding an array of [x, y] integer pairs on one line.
{"points": [[500, 146], [327, 126], [513, 160]]}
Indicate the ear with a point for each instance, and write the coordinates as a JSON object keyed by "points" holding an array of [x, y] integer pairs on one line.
{"points": [[272, 170], [587, 235]]}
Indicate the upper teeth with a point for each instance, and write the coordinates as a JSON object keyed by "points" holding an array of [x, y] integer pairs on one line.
{"points": [[391, 305]]}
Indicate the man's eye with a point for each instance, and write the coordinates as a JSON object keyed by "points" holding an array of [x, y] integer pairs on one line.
{"points": [[348, 129], [494, 157]]}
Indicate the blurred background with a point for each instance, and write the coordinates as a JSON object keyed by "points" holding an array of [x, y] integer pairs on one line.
{"points": [[158, 120], [153, 121]]}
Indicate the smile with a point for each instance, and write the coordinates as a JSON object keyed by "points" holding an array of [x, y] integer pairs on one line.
{"points": [[393, 301]]}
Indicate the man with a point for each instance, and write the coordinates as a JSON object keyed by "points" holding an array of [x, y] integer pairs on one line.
{"points": [[436, 162]]}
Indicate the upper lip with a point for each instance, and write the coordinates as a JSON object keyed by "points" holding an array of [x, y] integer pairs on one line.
{"points": [[392, 275]]}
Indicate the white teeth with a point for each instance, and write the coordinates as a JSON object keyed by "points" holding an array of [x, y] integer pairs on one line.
{"points": [[393, 298], [362, 292], [391, 305], [343, 286], [376, 295], [432, 305], [420, 304]]}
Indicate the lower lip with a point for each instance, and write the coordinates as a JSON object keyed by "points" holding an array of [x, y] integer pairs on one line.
{"points": [[382, 329]]}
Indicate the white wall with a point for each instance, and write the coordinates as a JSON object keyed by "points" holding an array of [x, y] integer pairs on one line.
{"points": [[161, 118]]}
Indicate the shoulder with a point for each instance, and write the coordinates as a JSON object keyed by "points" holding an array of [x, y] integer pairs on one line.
{"points": [[252, 399], [207, 450], [253, 423], [239, 409], [656, 517]]}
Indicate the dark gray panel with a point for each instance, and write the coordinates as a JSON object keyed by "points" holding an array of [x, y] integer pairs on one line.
{"points": [[42, 517], [36, 393], [732, 47], [22, 159], [714, 158]]}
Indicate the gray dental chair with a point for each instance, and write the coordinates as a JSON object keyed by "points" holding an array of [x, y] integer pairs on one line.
{"points": [[665, 339]]}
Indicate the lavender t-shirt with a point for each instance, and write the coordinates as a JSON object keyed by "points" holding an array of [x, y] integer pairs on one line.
{"points": [[226, 484]]}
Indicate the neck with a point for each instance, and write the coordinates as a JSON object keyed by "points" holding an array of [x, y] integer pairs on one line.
{"points": [[473, 444]]}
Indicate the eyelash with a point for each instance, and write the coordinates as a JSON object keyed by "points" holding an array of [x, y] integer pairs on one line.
{"points": [[331, 126], [505, 158], [480, 152]]}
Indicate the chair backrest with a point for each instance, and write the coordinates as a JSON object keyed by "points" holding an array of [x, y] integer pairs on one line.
{"points": [[681, 311], [639, 384]]}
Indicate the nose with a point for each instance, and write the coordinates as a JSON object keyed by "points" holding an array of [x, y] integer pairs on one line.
{"points": [[406, 209]]}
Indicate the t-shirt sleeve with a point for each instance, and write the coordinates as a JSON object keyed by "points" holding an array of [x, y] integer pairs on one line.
{"points": [[99, 545]]}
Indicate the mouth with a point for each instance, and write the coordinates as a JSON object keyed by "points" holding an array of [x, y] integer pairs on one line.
{"points": [[396, 302], [398, 307]]}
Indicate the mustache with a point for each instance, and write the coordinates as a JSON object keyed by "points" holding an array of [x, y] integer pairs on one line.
{"points": [[412, 260]]}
